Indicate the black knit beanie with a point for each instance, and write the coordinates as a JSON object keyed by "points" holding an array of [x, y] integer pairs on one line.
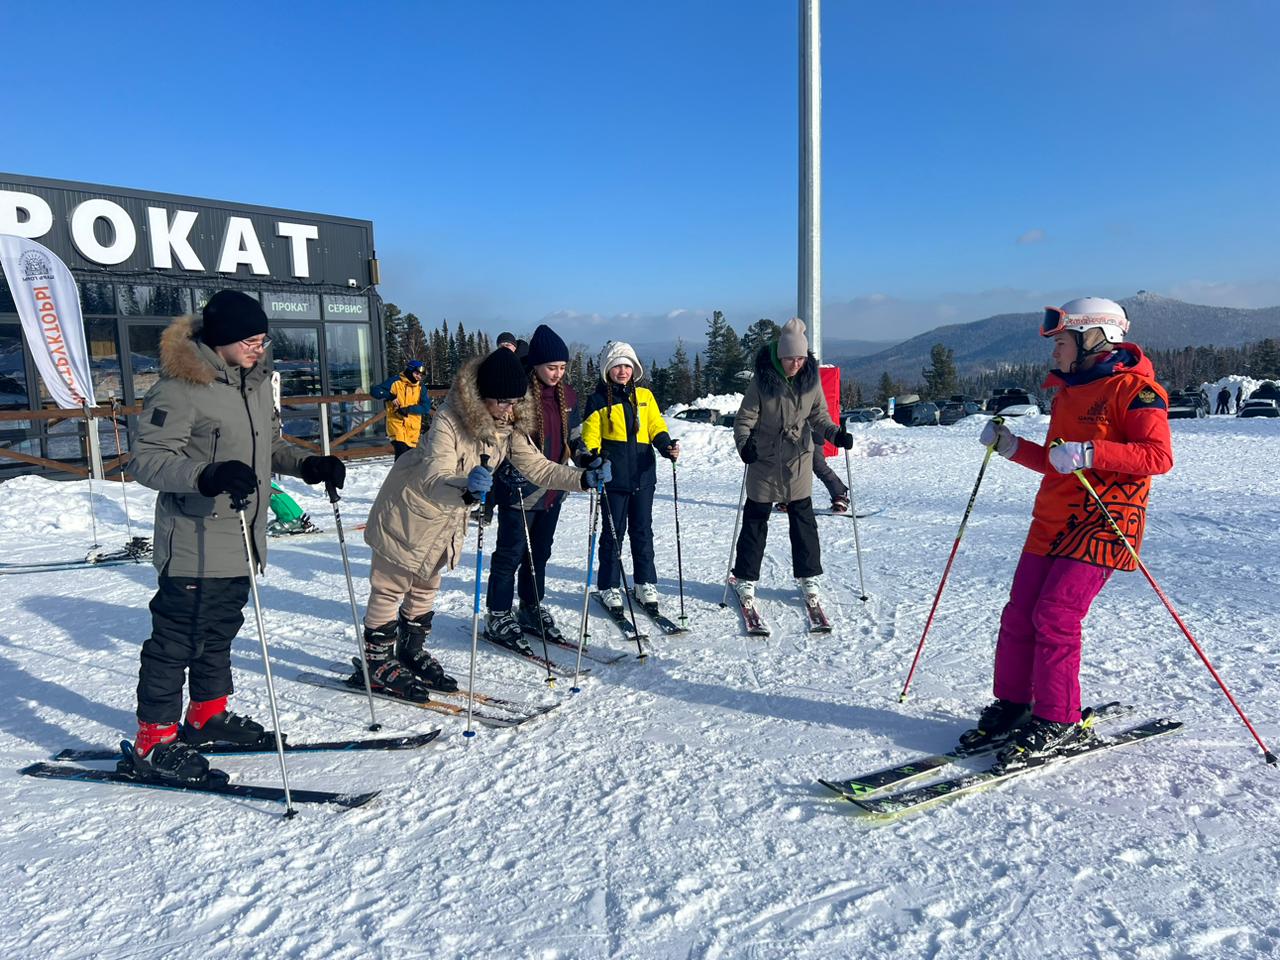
{"points": [[545, 346], [230, 316], [501, 376], [506, 337]]}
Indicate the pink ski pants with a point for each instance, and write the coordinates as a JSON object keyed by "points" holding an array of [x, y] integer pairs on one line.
{"points": [[1038, 652]]}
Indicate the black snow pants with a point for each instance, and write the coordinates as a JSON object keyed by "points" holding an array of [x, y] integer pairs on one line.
{"points": [[632, 515], [806, 552], [511, 554], [822, 470], [193, 621]]}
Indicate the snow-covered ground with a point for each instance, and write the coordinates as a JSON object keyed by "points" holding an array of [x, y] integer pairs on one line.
{"points": [[670, 809]]}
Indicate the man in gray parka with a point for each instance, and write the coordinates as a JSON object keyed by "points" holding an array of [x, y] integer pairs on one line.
{"points": [[782, 413], [208, 437]]}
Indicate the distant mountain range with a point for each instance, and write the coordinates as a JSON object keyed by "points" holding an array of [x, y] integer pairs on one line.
{"points": [[984, 345]]}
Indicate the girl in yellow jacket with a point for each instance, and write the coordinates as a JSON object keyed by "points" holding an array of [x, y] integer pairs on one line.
{"points": [[623, 422]]}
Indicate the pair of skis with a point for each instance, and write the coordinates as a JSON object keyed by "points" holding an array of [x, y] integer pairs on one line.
{"points": [[886, 794], [218, 782], [618, 616], [755, 624], [136, 551], [488, 710]]}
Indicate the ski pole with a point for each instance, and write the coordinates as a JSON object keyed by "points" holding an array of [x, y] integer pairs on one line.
{"points": [[593, 510], [238, 505], [622, 573], [947, 570], [533, 575], [733, 542], [89, 425], [124, 487], [475, 612], [857, 541], [1267, 755], [330, 489], [675, 501]]}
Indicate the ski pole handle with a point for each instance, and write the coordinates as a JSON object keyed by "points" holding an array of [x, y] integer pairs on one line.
{"points": [[332, 491]]}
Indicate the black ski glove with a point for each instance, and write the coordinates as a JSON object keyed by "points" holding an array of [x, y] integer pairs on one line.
{"points": [[326, 470], [749, 453], [843, 438], [228, 476]]}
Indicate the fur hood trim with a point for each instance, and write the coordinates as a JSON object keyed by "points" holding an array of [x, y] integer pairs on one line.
{"points": [[464, 398], [771, 383], [180, 353]]}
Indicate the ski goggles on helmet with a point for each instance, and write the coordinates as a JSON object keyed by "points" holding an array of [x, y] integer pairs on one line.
{"points": [[1057, 320]]}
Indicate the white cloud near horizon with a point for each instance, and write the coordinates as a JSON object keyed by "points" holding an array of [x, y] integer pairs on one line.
{"points": [[1035, 235]]}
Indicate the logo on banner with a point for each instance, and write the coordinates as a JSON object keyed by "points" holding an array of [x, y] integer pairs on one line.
{"points": [[36, 266]]}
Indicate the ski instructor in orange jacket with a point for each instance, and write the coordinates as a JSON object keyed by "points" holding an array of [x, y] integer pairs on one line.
{"points": [[1114, 419]]}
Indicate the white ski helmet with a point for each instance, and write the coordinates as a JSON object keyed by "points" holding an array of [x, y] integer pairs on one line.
{"points": [[1086, 313]]}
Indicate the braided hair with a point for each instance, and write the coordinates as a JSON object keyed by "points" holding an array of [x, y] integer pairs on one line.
{"points": [[538, 431]]}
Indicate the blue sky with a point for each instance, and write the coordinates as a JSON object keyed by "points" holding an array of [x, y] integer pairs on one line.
{"points": [[632, 167]]}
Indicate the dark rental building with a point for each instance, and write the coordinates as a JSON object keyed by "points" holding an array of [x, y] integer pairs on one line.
{"points": [[142, 258]]}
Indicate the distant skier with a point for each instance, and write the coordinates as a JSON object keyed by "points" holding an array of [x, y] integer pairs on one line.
{"points": [[1239, 398], [1114, 417], [1224, 401], [419, 518], [208, 433], [622, 421], [557, 429], [782, 414], [407, 405], [836, 488]]}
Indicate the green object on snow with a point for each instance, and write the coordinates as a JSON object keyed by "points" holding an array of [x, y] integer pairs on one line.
{"points": [[284, 506]]}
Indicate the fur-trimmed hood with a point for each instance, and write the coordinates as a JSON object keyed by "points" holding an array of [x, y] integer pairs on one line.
{"points": [[184, 356], [772, 383], [465, 400]]}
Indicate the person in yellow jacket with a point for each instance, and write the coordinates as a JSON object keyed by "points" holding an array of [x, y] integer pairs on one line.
{"points": [[623, 422], [406, 406]]}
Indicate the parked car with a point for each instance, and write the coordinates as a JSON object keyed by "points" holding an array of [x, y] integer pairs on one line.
{"points": [[697, 415], [1267, 390], [922, 413], [1014, 403], [956, 410], [1186, 404], [862, 414], [1259, 408], [1265, 405], [725, 419]]}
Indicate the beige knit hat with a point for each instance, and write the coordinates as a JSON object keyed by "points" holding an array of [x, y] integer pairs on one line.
{"points": [[792, 341]]}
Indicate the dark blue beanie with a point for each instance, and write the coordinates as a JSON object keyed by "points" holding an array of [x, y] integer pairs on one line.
{"points": [[545, 346]]}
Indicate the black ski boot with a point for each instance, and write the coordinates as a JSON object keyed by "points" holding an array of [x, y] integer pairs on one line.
{"points": [[171, 762], [996, 722], [411, 650], [387, 674], [502, 627], [1042, 738], [227, 727], [535, 619]]}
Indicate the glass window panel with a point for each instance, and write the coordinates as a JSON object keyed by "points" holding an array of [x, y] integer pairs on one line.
{"points": [[13, 370], [104, 358], [170, 302], [350, 358], [146, 300], [97, 298], [144, 357], [6, 298], [297, 358], [347, 348], [202, 295]]}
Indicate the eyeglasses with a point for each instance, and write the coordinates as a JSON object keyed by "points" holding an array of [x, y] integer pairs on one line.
{"points": [[256, 345]]}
